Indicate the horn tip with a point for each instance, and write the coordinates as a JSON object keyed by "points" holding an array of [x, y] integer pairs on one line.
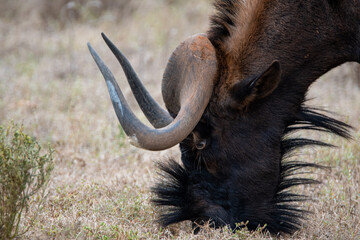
{"points": [[104, 36], [93, 52], [91, 49]]}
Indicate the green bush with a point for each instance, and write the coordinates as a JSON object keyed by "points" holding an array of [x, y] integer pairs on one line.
{"points": [[24, 173]]}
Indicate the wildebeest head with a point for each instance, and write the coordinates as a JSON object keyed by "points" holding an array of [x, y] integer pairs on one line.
{"points": [[233, 96]]}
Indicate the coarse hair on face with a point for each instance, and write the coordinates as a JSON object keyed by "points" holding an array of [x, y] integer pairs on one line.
{"points": [[243, 172], [191, 192], [234, 96]]}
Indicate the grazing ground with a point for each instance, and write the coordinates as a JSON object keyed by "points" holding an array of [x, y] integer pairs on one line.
{"points": [[99, 188]]}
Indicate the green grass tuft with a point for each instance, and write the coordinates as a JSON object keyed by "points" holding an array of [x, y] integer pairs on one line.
{"points": [[24, 172]]}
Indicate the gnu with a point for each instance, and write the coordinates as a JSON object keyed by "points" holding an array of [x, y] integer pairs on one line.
{"points": [[233, 97]]}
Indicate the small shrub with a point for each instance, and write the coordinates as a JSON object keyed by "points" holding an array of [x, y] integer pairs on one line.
{"points": [[24, 172]]}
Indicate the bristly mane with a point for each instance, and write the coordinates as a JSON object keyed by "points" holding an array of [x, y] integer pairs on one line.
{"points": [[232, 29], [284, 214], [233, 21]]}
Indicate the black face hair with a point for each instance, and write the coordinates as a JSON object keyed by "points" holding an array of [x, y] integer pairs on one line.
{"points": [[243, 173], [176, 192]]}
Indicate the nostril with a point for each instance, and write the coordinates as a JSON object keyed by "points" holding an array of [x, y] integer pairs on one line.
{"points": [[200, 145]]}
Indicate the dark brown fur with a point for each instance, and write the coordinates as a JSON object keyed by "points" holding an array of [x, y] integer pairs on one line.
{"points": [[269, 53]]}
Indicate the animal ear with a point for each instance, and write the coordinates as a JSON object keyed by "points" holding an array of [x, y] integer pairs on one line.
{"points": [[257, 87]]}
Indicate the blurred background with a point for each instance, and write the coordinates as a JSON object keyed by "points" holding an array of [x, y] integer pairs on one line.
{"points": [[47, 74], [49, 81], [50, 84]]}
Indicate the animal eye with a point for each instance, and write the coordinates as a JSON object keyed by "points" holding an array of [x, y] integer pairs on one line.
{"points": [[201, 144]]}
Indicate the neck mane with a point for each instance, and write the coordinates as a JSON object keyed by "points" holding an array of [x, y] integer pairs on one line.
{"points": [[305, 37], [283, 214], [255, 33]]}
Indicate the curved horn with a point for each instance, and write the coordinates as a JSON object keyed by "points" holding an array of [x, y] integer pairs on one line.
{"points": [[156, 115], [194, 66], [189, 74]]}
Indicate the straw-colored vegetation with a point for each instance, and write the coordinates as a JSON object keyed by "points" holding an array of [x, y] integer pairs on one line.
{"points": [[99, 188]]}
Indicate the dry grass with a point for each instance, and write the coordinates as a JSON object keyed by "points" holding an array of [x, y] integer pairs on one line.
{"points": [[100, 185]]}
